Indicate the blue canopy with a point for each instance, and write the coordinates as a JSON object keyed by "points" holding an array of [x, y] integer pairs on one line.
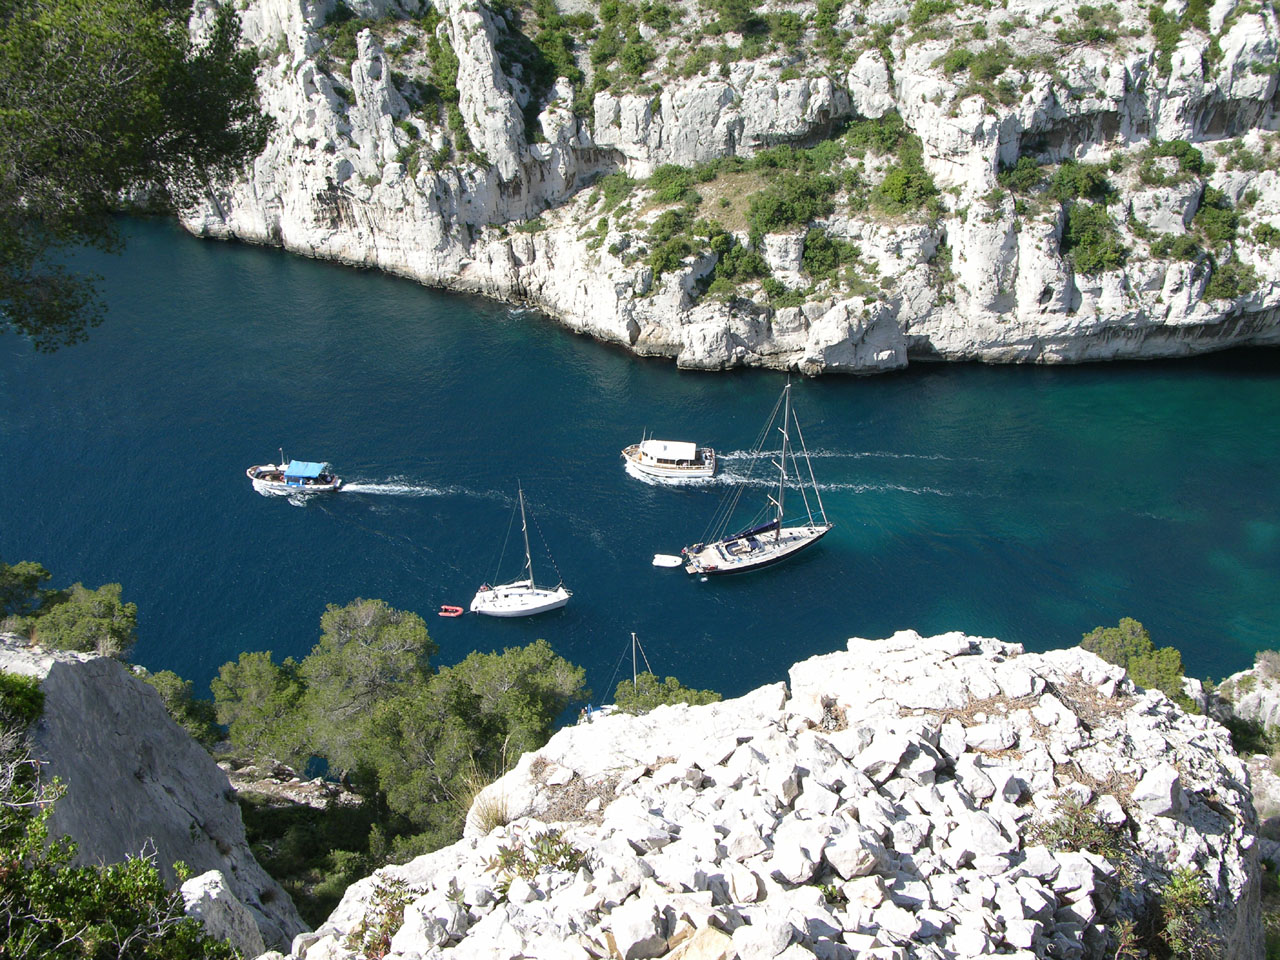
{"points": [[303, 469]]}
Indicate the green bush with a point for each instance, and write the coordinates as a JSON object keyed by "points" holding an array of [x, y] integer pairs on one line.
{"points": [[1129, 645], [668, 255], [990, 62], [53, 909], [615, 188], [824, 255], [1092, 240], [91, 621], [1077, 181], [879, 137], [1217, 220], [955, 60], [786, 28], [1181, 247], [671, 183], [907, 185], [1094, 25], [1022, 177], [1183, 901], [736, 264], [648, 692], [21, 700], [1267, 235], [196, 716], [21, 589], [1190, 160], [1231, 279], [791, 200], [924, 12]]}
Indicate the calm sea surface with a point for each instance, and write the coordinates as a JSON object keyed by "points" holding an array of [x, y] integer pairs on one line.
{"points": [[1028, 504]]}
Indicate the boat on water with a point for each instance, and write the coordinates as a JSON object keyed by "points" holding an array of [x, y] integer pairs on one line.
{"points": [[769, 538], [293, 477], [670, 460], [523, 597]]}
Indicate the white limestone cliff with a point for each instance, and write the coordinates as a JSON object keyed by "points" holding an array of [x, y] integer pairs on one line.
{"points": [[899, 799], [358, 174], [137, 784]]}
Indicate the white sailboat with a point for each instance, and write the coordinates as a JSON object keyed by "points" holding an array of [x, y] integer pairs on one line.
{"points": [[520, 598], [763, 544]]}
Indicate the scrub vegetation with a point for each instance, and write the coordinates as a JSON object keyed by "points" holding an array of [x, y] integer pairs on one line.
{"points": [[414, 740], [51, 908]]}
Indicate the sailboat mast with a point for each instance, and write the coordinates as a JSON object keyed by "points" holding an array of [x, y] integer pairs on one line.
{"points": [[524, 528], [635, 683], [782, 460]]}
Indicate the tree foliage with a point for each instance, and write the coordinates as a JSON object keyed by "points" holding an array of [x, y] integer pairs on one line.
{"points": [[21, 592], [91, 621], [196, 716], [648, 692], [367, 701], [99, 98], [470, 720], [368, 652], [1092, 240], [257, 699], [1129, 645], [52, 909]]}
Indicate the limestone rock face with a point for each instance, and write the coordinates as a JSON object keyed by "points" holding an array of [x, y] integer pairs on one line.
{"points": [[502, 201], [1253, 694], [224, 917], [897, 800], [138, 784]]}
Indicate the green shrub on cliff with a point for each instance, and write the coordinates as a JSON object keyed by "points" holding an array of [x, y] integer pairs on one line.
{"points": [[91, 621], [21, 589], [1092, 240], [1129, 645], [50, 908], [368, 702], [648, 692], [197, 717]]}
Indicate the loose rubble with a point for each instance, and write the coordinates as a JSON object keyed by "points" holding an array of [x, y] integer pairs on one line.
{"points": [[898, 801]]}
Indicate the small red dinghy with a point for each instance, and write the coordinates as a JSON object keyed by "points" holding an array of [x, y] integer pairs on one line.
{"points": [[447, 610]]}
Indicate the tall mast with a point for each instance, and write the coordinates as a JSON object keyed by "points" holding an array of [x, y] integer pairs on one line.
{"points": [[524, 528], [635, 683], [782, 460]]}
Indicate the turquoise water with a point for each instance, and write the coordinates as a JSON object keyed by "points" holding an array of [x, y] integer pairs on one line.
{"points": [[1029, 504]]}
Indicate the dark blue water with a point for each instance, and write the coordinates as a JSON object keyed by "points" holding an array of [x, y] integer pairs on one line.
{"points": [[1023, 503]]}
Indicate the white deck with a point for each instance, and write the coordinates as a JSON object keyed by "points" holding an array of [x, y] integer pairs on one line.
{"points": [[740, 554], [668, 459], [518, 599]]}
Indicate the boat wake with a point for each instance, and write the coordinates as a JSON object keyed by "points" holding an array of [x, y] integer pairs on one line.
{"points": [[742, 455], [732, 478], [398, 487]]}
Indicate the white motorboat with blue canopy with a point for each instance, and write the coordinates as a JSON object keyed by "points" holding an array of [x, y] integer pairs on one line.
{"points": [[293, 477], [768, 538], [670, 460], [520, 598]]}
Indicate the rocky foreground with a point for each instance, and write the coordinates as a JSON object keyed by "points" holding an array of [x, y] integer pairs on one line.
{"points": [[430, 147], [138, 785], [911, 797]]}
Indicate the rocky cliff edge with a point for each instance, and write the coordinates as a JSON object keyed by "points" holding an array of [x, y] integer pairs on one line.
{"points": [[137, 784], [909, 797], [429, 147]]}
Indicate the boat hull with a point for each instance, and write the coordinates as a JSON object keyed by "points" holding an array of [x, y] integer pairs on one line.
{"points": [[702, 469], [518, 600], [737, 555], [262, 477]]}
